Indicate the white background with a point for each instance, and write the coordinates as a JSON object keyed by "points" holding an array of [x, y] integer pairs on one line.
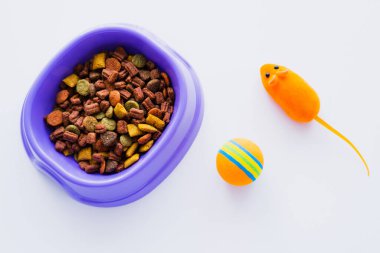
{"points": [[313, 195]]}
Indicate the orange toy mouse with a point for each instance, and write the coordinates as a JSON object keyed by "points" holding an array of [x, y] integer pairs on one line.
{"points": [[294, 95]]}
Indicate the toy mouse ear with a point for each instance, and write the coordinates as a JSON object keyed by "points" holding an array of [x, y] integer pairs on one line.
{"points": [[282, 73], [273, 80]]}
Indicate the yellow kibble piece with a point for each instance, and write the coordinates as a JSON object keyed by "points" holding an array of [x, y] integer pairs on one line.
{"points": [[99, 61], [133, 130], [85, 154], [131, 160], [146, 146], [67, 152], [71, 80], [147, 128], [120, 111], [155, 121], [132, 149]]}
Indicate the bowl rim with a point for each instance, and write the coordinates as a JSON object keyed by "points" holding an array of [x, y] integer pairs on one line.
{"points": [[34, 149]]}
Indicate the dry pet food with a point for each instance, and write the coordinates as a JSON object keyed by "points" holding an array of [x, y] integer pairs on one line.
{"points": [[110, 111]]}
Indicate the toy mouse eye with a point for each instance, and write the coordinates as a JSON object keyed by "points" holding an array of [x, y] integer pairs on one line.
{"points": [[267, 75], [276, 67]]}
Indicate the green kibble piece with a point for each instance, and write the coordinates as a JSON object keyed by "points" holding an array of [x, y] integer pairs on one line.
{"points": [[100, 115], [74, 129], [109, 112], [131, 104], [89, 123], [110, 124], [125, 140], [83, 87], [139, 60]]}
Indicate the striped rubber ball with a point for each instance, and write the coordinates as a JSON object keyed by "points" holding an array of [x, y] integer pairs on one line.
{"points": [[239, 162]]}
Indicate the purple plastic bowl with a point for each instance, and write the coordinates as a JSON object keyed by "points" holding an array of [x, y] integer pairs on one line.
{"points": [[141, 178]]}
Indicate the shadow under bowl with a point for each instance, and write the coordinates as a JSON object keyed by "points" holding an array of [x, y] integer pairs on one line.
{"points": [[153, 167]]}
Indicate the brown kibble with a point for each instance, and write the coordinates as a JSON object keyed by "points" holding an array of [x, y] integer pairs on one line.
{"points": [[60, 146], [156, 112], [159, 98], [69, 136], [82, 141], [99, 146], [119, 53], [144, 139], [62, 96], [170, 93], [121, 127], [153, 85], [102, 167], [148, 104], [110, 75], [91, 138], [125, 94], [113, 64], [165, 77], [154, 74], [102, 94], [138, 94], [114, 97], [136, 113], [108, 138], [104, 105], [100, 128], [144, 74], [132, 70], [118, 149], [149, 94], [54, 118]]}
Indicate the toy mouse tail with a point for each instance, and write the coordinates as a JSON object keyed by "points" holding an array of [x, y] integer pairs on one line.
{"points": [[325, 124]]}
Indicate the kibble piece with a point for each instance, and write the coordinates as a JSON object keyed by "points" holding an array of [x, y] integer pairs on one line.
{"points": [[131, 160], [146, 146], [155, 112], [110, 75], [120, 111], [125, 140], [71, 80], [83, 87], [89, 122], [144, 139], [91, 138], [100, 128], [73, 129], [67, 152], [62, 96], [84, 154], [132, 149], [139, 60], [131, 104], [147, 128], [108, 138], [100, 115], [133, 130], [109, 112], [154, 85], [114, 97], [111, 166], [165, 77], [121, 127], [155, 121], [54, 118], [110, 124], [136, 113], [99, 61], [113, 64], [60, 146]]}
